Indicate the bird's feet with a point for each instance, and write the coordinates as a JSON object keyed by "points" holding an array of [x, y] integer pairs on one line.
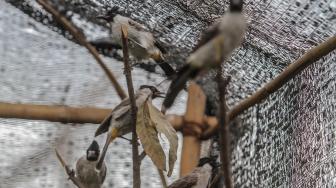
{"points": [[71, 173]]}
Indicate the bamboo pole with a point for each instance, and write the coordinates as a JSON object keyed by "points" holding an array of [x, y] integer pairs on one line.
{"points": [[191, 131], [66, 114], [311, 56], [63, 114]]}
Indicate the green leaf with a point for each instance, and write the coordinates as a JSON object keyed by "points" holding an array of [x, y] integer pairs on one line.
{"points": [[148, 136], [163, 126]]}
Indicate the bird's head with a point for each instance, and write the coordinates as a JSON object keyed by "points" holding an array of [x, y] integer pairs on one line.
{"points": [[92, 153], [154, 90], [236, 5], [109, 15]]}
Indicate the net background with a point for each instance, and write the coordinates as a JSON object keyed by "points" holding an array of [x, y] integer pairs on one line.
{"points": [[286, 141]]}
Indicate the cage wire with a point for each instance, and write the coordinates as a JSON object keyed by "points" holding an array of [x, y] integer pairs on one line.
{"points": [[285, 141]]}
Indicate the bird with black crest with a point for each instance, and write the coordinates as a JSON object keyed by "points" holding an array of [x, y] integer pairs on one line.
{"points": [[86, 171], [142, 44], [118, 122], [215, 46]]}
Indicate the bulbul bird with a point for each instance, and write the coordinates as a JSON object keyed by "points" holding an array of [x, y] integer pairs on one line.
{"points": [[142, 44], [86, 171], [215, 46], [118, 123], [200, 177]]}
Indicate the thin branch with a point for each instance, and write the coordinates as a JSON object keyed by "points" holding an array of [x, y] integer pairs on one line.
{"points": [[128, 74], [224, 140], [80, 37], [310, 57], [69, 171]]}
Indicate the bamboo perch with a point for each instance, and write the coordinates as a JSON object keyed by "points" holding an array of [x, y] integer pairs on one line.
{"points": [[311, 56], [65, 114], [80, 37], [128, 74], [193, 119]]}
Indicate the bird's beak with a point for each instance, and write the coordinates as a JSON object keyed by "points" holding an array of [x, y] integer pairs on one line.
{"points": [[160, 94]]}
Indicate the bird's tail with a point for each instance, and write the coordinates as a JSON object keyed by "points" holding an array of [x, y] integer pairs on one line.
{"points": [[167, 69], [186, 73], [110, 137]]}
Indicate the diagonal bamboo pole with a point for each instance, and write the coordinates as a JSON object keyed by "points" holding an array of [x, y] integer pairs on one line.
{"points": [[80, 37], [310, 57]]}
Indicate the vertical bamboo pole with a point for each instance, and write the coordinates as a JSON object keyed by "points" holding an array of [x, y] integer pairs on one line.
{"points": [[193, 118]]}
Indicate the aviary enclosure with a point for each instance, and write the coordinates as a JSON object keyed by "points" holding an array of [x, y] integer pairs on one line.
{"points": [[281, 95]]}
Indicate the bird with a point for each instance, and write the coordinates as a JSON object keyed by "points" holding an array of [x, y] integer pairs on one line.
{"points": [[142, 44], [215, 46], [118, 122], [86, 168], [200, 177]]}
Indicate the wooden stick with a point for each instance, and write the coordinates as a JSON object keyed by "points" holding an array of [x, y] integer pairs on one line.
{"points": [[80, 37], [63, 114], [128, 74], [192, 130], [311, 56], [66, 114], [69, 171], [224, 140]]}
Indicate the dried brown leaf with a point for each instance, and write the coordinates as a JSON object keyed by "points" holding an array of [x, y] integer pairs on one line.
{"points": [[148, 136], [163, 126]]}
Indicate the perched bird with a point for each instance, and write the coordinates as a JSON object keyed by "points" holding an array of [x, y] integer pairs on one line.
{"points": [[200, 177], [86, 171], [118, 123], [142, 44], [215, 46]]}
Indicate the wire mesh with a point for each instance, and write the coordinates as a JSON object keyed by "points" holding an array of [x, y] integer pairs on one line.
{"points": [[286, 141]]}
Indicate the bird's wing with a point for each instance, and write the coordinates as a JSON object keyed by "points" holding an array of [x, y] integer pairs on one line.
{"points": [[104, 125], [105, 43], [185, 182], [134, 41], [207, 35], [118, 112]]}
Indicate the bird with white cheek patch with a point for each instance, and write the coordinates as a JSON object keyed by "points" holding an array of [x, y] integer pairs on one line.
{"points": [[118, 123], [86, 170], [142, 44], [215, 46]]}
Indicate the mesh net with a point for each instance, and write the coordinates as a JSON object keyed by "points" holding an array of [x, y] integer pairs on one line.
{"points": [[286, 141]]}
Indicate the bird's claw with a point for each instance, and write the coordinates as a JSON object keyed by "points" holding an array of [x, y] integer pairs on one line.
{"points": [[71, 174]]}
